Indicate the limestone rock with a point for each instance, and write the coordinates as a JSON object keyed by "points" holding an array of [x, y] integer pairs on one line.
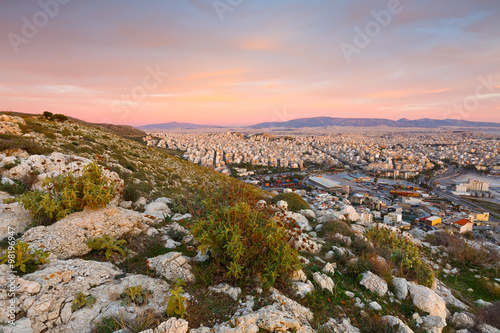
{"points": [[401, 287], [303, 288], [301, 220], [282, 204], [485, 328], [324, 281], [308, 213], [427, 300], [329, 268], [22, 325], [233, 292], [330, 216], [10, 124], [284, 315], [374, 283], [340, 326], [172, 325], [304, 243], [172, 265], [157, 208], [433, 324], [462, 320], [12, 215], [375, 306], [395, 321], [68, 237], [344, 239], [446, 294], [299, 275]]}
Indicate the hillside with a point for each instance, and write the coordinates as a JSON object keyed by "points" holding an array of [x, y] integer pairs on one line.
{"points": [[104, 235], [147, 171]]}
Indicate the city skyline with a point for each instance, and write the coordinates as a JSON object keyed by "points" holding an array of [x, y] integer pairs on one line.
{"points": [[238, 63]]}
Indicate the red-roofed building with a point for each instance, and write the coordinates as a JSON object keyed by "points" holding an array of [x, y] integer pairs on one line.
{"points": [[463, 225]]}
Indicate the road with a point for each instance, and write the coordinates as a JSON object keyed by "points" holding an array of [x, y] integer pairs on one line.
{"points": [[456, 199]]}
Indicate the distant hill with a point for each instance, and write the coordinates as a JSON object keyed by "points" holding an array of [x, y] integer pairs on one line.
{"points": [[175, 125], [371, 122]]}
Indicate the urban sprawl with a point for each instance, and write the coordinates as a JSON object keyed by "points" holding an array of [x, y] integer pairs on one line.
{"points": [[421, 180]]}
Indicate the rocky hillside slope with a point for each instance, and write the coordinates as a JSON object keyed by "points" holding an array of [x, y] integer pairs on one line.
{"points": [[104, 234]]}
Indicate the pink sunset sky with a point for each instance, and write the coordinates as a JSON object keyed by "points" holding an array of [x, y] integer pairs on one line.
{"points": [[248, 61]]}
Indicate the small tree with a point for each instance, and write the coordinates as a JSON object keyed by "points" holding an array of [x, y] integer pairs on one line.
{"points": [[47, 114]]}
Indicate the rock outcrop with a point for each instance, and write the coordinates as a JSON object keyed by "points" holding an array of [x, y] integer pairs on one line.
{"points": [[427, 300], [12, 215], [68, 237], [172, 265], [46, 296], [374, 283]]}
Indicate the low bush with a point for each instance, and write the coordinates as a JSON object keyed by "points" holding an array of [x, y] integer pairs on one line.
{"points": [[13, 189], [295, 201], [108, 245], [440, 238], [176, 300], [330, 228], [143, 320], [246, 242], [82, 301], [135, 295], [402, 253], [131, 193], [10, 141], [472, 254], [67, 193], [175, 234], [22, 258]]}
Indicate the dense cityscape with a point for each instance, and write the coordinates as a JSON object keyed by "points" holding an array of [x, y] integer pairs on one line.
{"points": [[416, 178]]}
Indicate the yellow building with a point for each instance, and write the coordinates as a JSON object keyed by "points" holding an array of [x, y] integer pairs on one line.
{"points": [[480, 217], [433, 220]]}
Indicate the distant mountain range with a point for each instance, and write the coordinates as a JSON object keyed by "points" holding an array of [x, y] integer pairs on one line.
{"points": [[370, 122], [329, 121], [175, 125]]}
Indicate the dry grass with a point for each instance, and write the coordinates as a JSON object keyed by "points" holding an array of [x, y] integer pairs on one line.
{"points": [[146, 318], [465, 254], [491, 315]]}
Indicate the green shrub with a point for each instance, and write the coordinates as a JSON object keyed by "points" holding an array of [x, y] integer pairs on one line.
{"points": [[58, 117], [108, 245], [11, 141], [16, 188], [246, 242], [175, 234], [135, 295], [330, 228], [22, 258], [403, 253], [295, 201], [82, 301], [131, 193], [68, 193], [176, 300]]}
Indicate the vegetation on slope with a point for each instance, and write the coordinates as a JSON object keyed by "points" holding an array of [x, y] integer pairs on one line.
{"points": [[295, 201], [148, 172]]}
